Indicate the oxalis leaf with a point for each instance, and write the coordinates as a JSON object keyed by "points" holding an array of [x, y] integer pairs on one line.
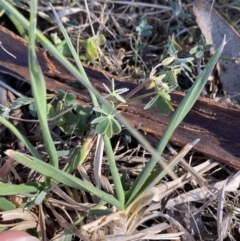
{"points": [[106, 124]]}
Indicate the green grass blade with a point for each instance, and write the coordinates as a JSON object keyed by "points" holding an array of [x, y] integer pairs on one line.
{"points": [[74, 54], [19, 27], [39, 88], [11, 189], [182, 110], [114, 171], [80, 153], [6, 205], [62, 177]]}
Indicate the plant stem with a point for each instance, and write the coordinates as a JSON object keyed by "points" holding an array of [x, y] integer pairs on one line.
{"points": [[114, 170]]}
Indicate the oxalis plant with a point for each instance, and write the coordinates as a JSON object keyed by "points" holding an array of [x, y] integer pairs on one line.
{"points": [[108, 122]]}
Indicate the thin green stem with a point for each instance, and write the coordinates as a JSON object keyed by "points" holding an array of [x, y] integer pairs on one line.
{"points": [[75, 56], [114, 170], [39, 88]]}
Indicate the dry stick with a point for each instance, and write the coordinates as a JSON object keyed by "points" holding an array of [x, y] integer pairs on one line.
{"points": [[201, 181], [7, 51], [139, 87]]}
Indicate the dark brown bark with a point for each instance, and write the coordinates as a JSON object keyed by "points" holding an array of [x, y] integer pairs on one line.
{"points": [[215, 124]]}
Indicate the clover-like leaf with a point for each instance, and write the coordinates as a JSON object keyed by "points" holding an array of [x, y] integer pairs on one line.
{"points": [[21, 101], [116, 127], [102, 126], [91, 45], [106, 124], [109, 131], [115, 93], [168, 60], [32, 109], [100, 110], [162, 103], [147, 31], [143, 29], [91, 50], [173, 48], [61, 45], [171, 76], [185, 66], [69, 99], [98, 119], [193, 50], [4, 111]]}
